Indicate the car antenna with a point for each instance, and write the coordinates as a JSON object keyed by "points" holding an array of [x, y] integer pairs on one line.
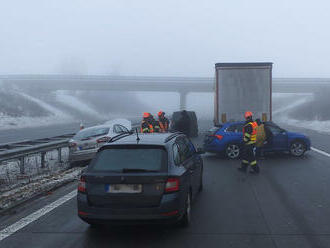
{"points": [[137, 135]]}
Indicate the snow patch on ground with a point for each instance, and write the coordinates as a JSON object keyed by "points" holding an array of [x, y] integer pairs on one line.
{"points": [[36, 186], [56, 117], [285, 109], [281, 115], [315, 125], [16, 187]]}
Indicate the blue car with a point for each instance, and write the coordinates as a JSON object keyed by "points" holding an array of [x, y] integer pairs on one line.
{"points": [[227, 139]]}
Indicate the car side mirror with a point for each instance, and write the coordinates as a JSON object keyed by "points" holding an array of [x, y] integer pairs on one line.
{"points": [[200, 150]]}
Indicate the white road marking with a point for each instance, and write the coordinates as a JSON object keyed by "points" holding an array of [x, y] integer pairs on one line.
{"points": [[34, 216], [321, 152]]}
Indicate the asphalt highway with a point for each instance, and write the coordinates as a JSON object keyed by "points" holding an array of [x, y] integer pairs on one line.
{"points": [[287, 205]]}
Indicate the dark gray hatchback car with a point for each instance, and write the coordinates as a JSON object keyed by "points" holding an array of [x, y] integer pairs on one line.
{"points": [[141, 179]]}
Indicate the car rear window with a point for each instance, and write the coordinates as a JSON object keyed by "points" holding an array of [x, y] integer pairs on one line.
{"points": [[213, 130], [237, 128], [117, 158], [92, 132]]}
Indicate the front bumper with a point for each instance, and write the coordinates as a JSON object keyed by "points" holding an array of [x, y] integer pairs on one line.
{"points": [[170, 203]]}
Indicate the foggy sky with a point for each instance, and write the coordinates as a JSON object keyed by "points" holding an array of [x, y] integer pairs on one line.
{"points": [[168, 38]]}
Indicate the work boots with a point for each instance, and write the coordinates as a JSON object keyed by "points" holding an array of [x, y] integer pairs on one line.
{"points": [[255, 170]]}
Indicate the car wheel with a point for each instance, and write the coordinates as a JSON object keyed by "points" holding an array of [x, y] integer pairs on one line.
{"points": [[232, 151], [186, 218], [297, 148]]}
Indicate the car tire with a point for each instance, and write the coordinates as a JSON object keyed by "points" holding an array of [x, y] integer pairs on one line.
{"points": [[186, 218], [233, 151], [92, 224], [95, 226], [297, 148]]}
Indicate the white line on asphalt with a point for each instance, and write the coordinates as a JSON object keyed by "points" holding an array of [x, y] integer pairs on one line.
{"points": [[34, 216], [321, 152]]}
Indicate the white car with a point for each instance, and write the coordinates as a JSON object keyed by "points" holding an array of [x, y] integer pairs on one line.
{"points": [[84, 145]]}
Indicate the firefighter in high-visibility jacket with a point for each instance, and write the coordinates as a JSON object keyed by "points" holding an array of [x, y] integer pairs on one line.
{"points": [[155, 124], [146, 124], [249, 148], [163, 122]]}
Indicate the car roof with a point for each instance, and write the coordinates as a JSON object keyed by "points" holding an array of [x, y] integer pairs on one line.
{"points": [[97, 126], [162, 139]]}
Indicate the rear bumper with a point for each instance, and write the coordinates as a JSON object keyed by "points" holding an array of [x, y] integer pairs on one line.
{"points": [[170, 210]]}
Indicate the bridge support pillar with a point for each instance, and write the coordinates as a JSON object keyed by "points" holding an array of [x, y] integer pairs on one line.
{"points": [[183, 100]]}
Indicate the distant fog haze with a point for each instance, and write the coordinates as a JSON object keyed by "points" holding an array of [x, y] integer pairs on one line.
{"points": [[163, 38]]}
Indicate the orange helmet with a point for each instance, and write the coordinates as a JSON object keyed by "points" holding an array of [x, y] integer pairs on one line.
{"points": [[146, 115], [248, 114], [160, 113]]}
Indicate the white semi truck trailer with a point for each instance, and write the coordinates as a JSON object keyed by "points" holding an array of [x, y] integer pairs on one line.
{"points": [[241, 87]]}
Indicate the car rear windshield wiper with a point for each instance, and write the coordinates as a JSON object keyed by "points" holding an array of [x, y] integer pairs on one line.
{"points": [[126, 170]]}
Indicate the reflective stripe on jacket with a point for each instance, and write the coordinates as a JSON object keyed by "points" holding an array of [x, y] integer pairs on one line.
{"points": [[146, 127], [250, 138], [156, 127]]}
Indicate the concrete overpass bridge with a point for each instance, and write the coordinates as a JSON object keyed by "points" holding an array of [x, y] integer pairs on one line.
{"points": [[182, 85]]}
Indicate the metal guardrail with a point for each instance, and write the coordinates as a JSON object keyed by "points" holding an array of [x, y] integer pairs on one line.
{"points": [[22, 149]]}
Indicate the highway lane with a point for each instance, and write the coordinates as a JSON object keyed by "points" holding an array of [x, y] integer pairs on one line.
{"points": [[287, 205]]}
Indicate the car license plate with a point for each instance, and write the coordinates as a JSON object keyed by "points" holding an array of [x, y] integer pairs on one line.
{"points": [[124, 188]]}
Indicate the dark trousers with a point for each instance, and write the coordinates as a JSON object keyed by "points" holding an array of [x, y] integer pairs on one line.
{"points": [[249, 157]]}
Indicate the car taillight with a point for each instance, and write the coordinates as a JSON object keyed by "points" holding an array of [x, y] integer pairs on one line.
{"points": [[219, 137], [72, 144], [172, 185], [175, 212], [103, 139], [82, 185]]}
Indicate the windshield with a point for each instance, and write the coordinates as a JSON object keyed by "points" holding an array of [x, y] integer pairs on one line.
{"points": [[92, 132], [131, 158]]}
